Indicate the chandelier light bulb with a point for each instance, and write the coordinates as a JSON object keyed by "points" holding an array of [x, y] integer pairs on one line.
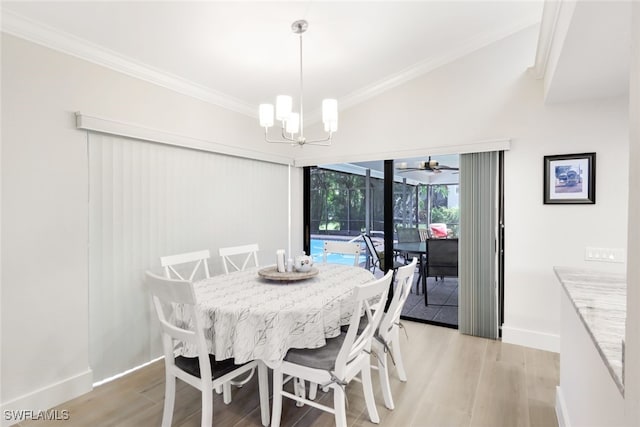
{"points": [[293, 123], [284, 105], [329, 110], [266, 115], [331, 126]]}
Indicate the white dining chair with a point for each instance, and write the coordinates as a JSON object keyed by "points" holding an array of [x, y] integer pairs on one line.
{"points": [[388, 337], [199, 259], [341, 248], [338, 362], [203, 372], [245, 253]]}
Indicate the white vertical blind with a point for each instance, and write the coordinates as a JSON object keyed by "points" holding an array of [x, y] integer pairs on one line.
{"points": [[147, 200], [478, 308]]}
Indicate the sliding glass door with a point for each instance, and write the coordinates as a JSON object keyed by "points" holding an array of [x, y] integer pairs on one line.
{"points": [[452, 201]]}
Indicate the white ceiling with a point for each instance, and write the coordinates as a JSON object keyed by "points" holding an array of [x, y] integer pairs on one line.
{"points": [[595, 53], [244, 53]]}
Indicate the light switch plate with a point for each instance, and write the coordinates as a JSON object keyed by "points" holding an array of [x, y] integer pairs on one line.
{"points": [[604, 254]]}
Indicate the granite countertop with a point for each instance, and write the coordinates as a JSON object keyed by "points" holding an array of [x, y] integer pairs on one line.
{"points": [[600, 298]]}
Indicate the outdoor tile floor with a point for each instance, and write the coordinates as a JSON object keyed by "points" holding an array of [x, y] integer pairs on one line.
{"points": [[443, 302]]}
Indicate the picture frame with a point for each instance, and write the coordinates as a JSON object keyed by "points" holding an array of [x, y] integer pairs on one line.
{"points": [[569, 179]]}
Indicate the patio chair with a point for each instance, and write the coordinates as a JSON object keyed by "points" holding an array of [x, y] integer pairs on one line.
{"points": [[408, 235], [339, 361], [442, 257], [170, 262], [342, 248], [377, 258], [203, 372], [388, 337], [250, 252]]}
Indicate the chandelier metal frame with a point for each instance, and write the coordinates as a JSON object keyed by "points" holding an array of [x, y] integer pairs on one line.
{"points": [[292, 124]]}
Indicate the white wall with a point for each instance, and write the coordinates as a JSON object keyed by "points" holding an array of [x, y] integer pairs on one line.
{"points": [[490, 95], [45, 211], [44, 224], [540, 236], [632, 356]]}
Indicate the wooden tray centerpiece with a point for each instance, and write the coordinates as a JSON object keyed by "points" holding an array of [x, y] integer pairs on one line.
{"points": [[272, 273]]}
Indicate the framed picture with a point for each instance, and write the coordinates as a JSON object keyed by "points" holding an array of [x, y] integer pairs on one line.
{"points": [[570, 179]]}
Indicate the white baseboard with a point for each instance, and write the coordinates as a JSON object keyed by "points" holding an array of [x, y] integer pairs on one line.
{"points": [[529, 338], [561, 409], [46, 397]]}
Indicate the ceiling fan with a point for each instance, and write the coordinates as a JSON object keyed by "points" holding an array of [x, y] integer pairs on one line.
{"points": [[429, 166]]}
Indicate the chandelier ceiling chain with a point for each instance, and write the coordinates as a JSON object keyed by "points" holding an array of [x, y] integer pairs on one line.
{"points": [[292, 123]]}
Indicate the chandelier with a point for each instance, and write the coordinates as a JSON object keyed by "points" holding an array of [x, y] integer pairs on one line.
{"points": [[292, 123]]}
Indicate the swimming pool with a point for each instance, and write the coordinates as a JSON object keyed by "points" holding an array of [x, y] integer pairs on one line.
{"points": [[317, 247]]}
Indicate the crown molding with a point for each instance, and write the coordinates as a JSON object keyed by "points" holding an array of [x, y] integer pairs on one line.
{"points": [[424, 67], [44, 35], [548, 26]]}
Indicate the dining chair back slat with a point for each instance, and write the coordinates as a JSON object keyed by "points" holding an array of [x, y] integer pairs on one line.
{"points": [[166, 291], [170, 262], [342, 248], [228, 255]]}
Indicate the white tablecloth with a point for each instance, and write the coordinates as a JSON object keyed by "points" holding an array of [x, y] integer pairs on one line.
{"points": [[248, 318]]}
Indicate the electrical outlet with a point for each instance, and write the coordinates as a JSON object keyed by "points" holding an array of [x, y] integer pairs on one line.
{"points": [[604, 254]]}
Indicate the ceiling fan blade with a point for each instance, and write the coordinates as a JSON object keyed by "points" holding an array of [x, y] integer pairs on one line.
{"points": [[404, 167], [427, 166]]}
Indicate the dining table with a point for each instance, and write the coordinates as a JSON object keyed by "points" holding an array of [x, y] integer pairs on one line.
{"points": [[248, 317]]}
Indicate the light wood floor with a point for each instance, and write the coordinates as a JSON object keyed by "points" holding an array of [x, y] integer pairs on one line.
{"points": [[454, 380]]}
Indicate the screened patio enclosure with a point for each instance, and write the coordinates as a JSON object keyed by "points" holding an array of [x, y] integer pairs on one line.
{"points": [[347, 199]]}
